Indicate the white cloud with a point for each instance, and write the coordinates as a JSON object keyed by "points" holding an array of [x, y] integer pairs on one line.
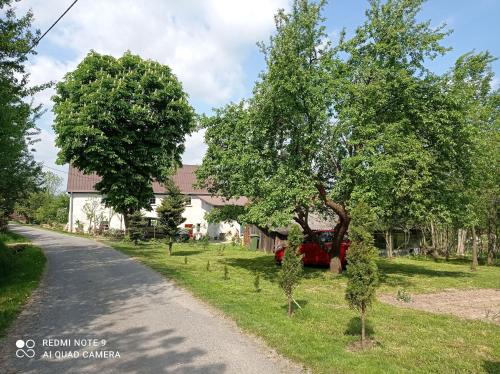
{"points": [[205, 42], [44, 69], [195, 148], [46, 152]]}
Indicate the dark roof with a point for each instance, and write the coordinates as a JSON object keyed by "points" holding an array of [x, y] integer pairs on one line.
{"points": [[184, 178], [220, 201], [316, 222]]}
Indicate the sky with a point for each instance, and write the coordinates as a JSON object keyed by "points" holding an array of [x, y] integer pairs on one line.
{"points": [[211, 45]]}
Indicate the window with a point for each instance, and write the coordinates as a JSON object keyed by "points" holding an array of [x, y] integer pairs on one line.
{"points": [[152, 201], [198, 226]]}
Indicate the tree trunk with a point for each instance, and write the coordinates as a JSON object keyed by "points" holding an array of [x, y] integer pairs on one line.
{"points": [[491, 242], [289, 306], [363, 327], [338, 237], [474, 249], [434, 241], [126, 222], [446, 245], [340, 229], [389, 243], [335, 265], [423, 240], [170, 243], [461, 238], [492, 232]]}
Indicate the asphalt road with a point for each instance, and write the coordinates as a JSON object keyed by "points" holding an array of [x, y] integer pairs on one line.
{"points": [[92, 294]]}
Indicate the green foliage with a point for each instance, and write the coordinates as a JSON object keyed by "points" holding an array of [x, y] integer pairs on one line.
{"points": [[46, 205], [137, 227], [125, 119], [204, 240], [362, 271], [18, 170], [329, 126], [326, 324], [6, 260], [403, 296], [170, 212], [295, 237], [291, 266], [225, 213], [256, 282], [116, 234], [54, 210], [221, 249], [265, 148], [20, 273]]}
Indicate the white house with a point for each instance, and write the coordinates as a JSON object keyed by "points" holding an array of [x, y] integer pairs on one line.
{"points": [[85, 205]]}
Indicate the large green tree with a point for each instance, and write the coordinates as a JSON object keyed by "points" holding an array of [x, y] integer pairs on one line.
{"points": [[471, 79], [330, 126], [18, 171], [125, 119]]}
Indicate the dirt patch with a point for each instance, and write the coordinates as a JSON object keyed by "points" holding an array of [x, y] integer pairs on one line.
{"points": [[482, 304], [356, 346]]}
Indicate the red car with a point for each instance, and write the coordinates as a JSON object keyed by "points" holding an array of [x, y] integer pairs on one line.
{"points": [[313, 253]]}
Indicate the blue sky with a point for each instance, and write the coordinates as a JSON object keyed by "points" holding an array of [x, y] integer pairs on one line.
{"points": [[211, 44]]}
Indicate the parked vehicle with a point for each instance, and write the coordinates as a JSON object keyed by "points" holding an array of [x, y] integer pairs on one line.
{"points": [[315, 253], [183, 236]]}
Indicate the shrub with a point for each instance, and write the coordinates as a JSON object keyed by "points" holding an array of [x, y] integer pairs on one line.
{"points": [[6, 260], [291, 266], [362, 271], [204, 240], [403, 295], [256, 282], [114, 234], [170, 213], [137, 227]]}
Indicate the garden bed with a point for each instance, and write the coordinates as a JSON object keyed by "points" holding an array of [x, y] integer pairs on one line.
{"points": [[480, 304]]}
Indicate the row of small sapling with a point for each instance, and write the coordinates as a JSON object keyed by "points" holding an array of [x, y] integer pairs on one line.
{"points": [[362, 272]]}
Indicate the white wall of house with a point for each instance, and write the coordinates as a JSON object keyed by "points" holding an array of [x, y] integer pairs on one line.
{"points": [[194, 215]]}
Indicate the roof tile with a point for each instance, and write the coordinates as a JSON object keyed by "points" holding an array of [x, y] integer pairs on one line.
{"points": [[185, 178]]}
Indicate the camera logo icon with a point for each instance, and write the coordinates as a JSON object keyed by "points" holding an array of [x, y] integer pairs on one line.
{"points": [[25, 348]]}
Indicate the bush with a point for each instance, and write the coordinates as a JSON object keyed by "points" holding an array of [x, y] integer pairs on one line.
{"points": [[256, 282], [362, 271], [6, 260], [114, 234], [137, 227], [291, 266]]}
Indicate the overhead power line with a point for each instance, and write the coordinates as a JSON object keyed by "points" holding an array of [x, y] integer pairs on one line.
{"points": [[51, 27]]}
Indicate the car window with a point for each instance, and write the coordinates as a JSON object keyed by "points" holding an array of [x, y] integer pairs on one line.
{"points": [[326, 237]]}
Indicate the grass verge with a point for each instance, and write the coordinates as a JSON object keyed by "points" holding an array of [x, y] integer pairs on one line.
{"points": [[20, 273], [320, 333]]}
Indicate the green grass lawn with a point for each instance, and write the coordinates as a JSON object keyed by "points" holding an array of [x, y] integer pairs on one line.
{"points": [[11, 237], [20, 274], [319, 333]]}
